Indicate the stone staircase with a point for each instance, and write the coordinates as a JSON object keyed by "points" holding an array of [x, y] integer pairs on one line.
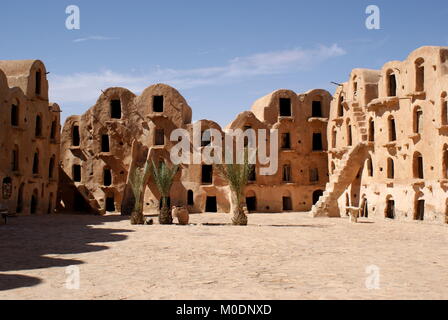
{"points": [[343, 176], [361, 123]]}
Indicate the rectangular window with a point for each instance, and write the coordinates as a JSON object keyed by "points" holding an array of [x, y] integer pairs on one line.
{"points": [[105, 147], [38, 82], [76, 173], [287, 204], [207, 174], [314, 175], [285, 107], [317, 109], [286, 141], [317, 142], [157, 104], [115, 109], [160, 137], [287, 173]]}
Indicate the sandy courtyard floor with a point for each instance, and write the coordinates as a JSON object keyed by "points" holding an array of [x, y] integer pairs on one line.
{"points": [[279, 256]]}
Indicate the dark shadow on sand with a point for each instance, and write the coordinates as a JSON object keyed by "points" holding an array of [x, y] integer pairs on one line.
{"points": [[25, 242]]}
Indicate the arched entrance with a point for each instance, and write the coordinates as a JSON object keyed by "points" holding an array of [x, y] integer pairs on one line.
{"points": [[251, 201], [19, 207], [316, 196], [390, 208], [34, 202]]}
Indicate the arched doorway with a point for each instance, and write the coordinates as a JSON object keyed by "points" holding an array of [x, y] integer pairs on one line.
{"points": [[316, 196], [251, 201], [19, 207], [364, 207], [390, 208], [34, 202]]}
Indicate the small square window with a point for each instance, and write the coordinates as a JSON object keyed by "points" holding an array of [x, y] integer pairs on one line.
{"points": [[157, 104]]}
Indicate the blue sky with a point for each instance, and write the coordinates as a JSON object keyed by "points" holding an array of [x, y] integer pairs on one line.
{"points": [[221, 55]]}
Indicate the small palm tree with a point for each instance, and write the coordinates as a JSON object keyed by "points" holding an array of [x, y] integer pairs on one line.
{"points": [[164, 178], [237, 175]]}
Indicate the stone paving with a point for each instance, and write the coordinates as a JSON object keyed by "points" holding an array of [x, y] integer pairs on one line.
{"points": [[278, 256]]}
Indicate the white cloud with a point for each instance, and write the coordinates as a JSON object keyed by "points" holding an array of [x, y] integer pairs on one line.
{"points": [[86, 87], [97, 38]]}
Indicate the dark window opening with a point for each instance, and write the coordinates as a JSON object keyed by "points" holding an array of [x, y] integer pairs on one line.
{"points": [[51, 168], [286, 141], [76, 171], [390, 169], [36, 163], [314, 175], [392, 130], [157, 103], [7, 188], [390, 209], [15, 115], [445, 113], [252, 173], [19, 206], [392, 90], [334, 140], [349, 136], [15, 160], [38, 82], [75, 136], [105, 147], [371, 131], [341, 107], [251, 204], [316, 196], [50, 204], [420, 210], [420, 77], [370, 167], [110, 204], [160, 137], [445, 164], [317, 142], [53, 130], [285, 107], [107, 177], [115, 109], [211, 205], [287, 204], [38, 126], [317, 109], [207, 174], [190, 198], [34, 202], [418, 167], [286, 173], [418, 126]]}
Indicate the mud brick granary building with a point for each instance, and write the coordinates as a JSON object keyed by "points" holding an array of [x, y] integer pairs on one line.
{"points": [[96, 151], [388, 141], [29, 139], [379, 145]]}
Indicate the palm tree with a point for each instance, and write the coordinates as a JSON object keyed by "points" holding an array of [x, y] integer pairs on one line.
{"points": [[237, 175], [164, 178]]}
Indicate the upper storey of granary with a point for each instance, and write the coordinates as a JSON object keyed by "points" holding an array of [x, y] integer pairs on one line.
{"points": [[28, 75], [289, 105], [157, 103], [423, 75]]}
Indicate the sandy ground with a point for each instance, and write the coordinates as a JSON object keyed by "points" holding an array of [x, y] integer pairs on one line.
{"points": [[279, 256]]}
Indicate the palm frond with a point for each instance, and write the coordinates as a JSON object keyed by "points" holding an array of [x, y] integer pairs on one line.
{"points": [[164, 177]]}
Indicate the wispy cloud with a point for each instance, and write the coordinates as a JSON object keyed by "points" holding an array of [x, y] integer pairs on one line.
{"points": [[95, 38], [85, 87]]}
